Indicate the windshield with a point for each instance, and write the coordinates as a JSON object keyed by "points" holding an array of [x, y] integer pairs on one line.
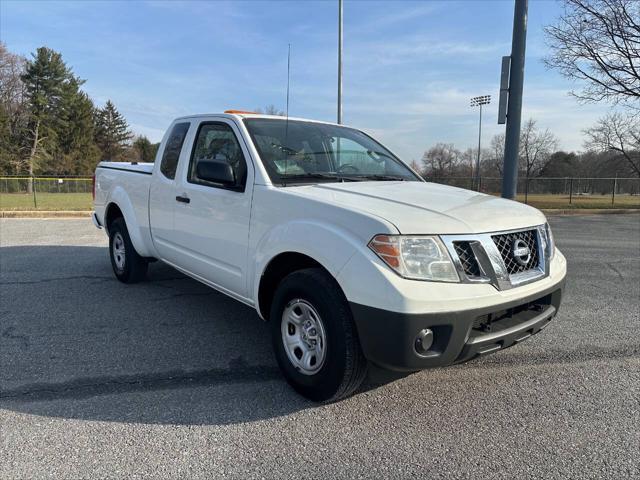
{"points": [[306, 152]]}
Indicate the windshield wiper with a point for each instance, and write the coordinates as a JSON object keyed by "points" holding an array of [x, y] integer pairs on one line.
{"points": [[383, 177], [315, 175], [310, 175]]}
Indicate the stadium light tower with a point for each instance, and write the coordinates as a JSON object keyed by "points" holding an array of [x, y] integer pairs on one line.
{"points": [[479, 102]]}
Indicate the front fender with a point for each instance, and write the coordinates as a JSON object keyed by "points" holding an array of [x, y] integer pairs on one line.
{"points": [[326, 243]]}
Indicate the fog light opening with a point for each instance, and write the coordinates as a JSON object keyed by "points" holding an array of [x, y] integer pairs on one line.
{"points": [[423, 341]]}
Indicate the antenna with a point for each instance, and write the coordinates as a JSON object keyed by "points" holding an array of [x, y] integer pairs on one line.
{"points": [[286, 127], [288, 71], [339, 61]]}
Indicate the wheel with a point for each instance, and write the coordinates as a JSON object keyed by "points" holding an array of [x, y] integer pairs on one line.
{"points": [[314, 337], [128, 266]]}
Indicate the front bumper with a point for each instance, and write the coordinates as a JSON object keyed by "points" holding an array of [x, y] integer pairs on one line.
{"points": [[388, 339]]}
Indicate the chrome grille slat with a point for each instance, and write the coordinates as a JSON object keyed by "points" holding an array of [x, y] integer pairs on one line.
{"points": [[490, 257], [505, 242], [467, 259]]}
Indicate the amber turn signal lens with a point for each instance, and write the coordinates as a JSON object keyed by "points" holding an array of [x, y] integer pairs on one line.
{"points": [[240, 112], [387, 248]]}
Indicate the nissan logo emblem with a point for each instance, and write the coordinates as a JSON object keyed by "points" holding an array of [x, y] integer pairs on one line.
{"points": [[521, 252]]}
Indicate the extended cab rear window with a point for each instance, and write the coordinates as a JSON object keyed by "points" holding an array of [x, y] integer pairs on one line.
{"points": [[172, 149]]}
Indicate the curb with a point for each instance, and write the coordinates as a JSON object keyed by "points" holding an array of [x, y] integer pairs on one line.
{"points": [[45, 214], [589, 211]]}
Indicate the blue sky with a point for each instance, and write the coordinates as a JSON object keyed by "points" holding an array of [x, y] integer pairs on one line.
{"points": [[409, 67]]}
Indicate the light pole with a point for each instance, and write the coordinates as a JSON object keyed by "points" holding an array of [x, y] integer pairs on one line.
{"points": [[479, 102], [514, 106]]}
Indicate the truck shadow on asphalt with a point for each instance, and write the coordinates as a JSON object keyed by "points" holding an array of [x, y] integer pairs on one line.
{"points": [[76, 343]]}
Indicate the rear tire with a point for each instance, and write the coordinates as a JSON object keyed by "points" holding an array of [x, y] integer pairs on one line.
{"points": [[314, 338], [128, 266]]}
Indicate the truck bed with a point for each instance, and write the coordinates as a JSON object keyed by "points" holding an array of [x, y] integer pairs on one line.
{"points": [[127, 185]]}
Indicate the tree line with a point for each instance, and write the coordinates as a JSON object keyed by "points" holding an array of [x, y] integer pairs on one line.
{"points": [[612, 149], [50, 126]]}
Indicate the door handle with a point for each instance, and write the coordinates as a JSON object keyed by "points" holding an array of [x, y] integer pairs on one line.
{"points": [[183, 199]]}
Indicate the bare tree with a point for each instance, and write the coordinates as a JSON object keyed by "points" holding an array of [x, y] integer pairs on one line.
{"points": [[440, 160], [618, 133], [270, 110], [467, 163], [535, 148], [497, 152], [597, 42], [416, 166], [13, 110], [12, 89]]}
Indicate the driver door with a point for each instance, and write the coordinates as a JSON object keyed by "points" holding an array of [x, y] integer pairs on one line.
{"points": [[212, 220]]}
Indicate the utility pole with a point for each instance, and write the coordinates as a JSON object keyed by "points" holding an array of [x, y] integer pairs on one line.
{"points": [[479, 102], [339, 61], [514, 108]]}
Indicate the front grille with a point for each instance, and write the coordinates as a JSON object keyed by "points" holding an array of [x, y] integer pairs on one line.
{"points": [[467, 259], [505, 243]]}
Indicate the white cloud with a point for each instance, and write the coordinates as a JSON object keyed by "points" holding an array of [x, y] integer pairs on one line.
{"points": [[393, 18]]}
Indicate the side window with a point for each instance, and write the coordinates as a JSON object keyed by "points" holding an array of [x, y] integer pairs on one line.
{"points": [[216, 142], [172, 150]]}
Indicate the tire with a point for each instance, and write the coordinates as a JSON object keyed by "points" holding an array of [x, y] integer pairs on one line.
{"points": [[340, 366], [128, 266]]}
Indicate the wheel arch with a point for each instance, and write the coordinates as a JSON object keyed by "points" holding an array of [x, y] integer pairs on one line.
{"points": [[276, 270], [119, 206], [111, 213], [297, 244]]}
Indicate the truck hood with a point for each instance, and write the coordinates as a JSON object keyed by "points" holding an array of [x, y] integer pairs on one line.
{"points": [[427, 208]]}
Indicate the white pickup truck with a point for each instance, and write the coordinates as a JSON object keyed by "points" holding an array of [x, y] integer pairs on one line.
{"points": [[349, 255]]}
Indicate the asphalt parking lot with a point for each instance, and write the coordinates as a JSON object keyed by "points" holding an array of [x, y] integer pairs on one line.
{"points": [[170, 379]]}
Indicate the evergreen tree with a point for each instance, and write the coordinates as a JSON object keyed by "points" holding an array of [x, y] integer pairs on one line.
{"points": [[49, 125], [44, 80], [112, 132], [146, 151], [77, 152], [8, 147]]}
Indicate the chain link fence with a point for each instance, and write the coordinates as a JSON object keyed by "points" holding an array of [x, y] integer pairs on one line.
{"points": [[11, 184], [559, 192], [74, 193], [45, 193]]}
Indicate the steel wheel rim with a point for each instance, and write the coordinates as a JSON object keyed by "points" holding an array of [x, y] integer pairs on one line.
{"points": [[118, 251], [303, 336]]}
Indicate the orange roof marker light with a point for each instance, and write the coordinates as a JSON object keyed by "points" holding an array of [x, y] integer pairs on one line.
{"points": [[240, 112]]}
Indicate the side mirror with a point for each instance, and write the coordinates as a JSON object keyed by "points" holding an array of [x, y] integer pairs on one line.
{"points": [[216, 172]]}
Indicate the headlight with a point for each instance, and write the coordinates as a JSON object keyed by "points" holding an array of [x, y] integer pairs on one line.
{"points": [[551, 244], [415, 257]]}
